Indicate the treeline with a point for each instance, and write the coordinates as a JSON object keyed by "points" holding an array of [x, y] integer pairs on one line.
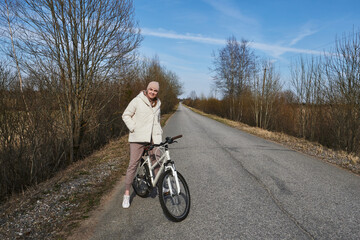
{"points": [[68, 71], [323, 104]]}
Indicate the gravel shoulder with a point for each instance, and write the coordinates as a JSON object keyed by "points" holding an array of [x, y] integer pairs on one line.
{"points": [[53, 209]]}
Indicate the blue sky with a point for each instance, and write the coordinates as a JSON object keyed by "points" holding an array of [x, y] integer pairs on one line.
{"points": [[185, 33]]}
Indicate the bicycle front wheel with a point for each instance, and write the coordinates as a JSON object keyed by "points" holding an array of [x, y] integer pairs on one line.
{"points": [[176, 206]]}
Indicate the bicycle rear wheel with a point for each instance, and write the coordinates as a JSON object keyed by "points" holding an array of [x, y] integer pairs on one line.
{"points": [[175, 206], [140, 183]]}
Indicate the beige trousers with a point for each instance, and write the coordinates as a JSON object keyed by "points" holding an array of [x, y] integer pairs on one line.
{"points": [[136, 151]]}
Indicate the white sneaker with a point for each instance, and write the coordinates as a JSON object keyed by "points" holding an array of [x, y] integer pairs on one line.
{"points": [[126, 201]]}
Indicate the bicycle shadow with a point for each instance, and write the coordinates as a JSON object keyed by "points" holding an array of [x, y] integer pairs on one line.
{"points": [[132, 195], [153, 194]]}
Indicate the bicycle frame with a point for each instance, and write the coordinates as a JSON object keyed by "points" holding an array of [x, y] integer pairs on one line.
{"points": [[166, 164]]}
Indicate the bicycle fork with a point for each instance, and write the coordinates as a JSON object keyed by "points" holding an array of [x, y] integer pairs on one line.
{"points": [[174, 173]]}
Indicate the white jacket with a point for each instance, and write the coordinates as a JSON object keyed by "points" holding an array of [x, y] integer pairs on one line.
{"points": [[142, 120]]}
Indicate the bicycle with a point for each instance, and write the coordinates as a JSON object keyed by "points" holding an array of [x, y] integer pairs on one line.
{"points": [[174, 194]]}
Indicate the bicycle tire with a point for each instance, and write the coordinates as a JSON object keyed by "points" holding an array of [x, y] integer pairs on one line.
{"points": [[140, 183], [171, 204]]}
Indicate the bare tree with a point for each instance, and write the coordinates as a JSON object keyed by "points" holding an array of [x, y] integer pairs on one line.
{"points": [[233, 66], [74, 46], [192, 95], [343, 74], [308, 83], [266, 87], [8, 9]]}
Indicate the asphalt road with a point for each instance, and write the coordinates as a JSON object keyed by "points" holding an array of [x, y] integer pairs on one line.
{"points": [[242, 187]]}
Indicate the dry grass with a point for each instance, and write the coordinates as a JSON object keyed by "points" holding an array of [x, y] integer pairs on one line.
{"points": [[340, 158], [81, 187]]}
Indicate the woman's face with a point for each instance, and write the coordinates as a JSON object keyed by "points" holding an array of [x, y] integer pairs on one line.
{"points": [[151, 93]]}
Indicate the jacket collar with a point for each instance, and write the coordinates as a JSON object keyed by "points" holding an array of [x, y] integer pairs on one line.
{"points": [[142, 96]]}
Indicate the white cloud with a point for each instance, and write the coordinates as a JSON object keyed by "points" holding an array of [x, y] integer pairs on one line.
{"points": [[273, 50], [304, 33], [277, 51], [189, 37]]}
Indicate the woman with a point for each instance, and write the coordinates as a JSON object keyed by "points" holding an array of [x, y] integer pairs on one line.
{"points": [[142, 117]]}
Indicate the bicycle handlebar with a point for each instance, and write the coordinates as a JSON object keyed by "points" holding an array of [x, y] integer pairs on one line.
{"points": [[176, 137], [168, 140]]}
